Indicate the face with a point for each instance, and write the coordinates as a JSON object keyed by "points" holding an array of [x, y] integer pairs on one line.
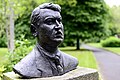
{"points": [[51, 27]]}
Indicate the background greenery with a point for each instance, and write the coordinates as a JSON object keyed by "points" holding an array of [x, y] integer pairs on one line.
{"points": [[111, 42], [84, 21], [85, 57], [115, 50], [88, 20], [3, 52]]}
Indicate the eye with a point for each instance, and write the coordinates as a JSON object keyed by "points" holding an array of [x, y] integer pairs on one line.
{"points": [[59, 20], [49, 21]]}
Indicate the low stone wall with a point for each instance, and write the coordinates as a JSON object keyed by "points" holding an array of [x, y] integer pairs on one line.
{"points": [[80, 73]]}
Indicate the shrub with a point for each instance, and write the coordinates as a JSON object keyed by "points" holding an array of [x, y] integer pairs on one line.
{"points": [[21, 50], [15, 57], [2, 69], [111, 42], [3, 41]]}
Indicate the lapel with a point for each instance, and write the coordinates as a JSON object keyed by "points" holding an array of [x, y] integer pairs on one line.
{"points": [[42, 64]]}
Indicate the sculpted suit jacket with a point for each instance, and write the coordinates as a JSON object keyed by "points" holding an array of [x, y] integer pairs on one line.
{"points": [[36, 64]]}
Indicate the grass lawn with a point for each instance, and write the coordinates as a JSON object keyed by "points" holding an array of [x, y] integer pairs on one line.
{"points": [[113, 49], [85, 57], [98, 45], [3, 51]]}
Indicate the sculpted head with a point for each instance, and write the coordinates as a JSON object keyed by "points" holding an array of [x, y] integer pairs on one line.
{"points": [[46, 24]]}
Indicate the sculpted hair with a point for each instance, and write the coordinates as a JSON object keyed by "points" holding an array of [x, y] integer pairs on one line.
{"points": [[36, 14]]}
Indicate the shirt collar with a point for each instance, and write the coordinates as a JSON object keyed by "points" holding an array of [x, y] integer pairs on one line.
{"points": [[46, 53]]}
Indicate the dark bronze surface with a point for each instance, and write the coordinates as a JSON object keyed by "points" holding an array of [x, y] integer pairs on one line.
{"points": [[46, 60]]}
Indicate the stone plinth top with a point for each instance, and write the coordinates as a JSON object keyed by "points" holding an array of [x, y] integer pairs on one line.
{"points": [[78, 74]]}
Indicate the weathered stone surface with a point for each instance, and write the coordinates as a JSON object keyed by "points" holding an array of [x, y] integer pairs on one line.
{"points": [[78, 74]]}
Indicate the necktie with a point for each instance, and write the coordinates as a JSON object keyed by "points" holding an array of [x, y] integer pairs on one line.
{"points": [[58, 66]]}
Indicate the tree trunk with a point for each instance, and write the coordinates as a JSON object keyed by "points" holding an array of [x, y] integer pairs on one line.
{"points": [[11, 29], [78, 44], [8, 37]]}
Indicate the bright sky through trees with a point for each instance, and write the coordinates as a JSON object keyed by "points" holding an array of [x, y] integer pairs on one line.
{"points": [[112, 2]]}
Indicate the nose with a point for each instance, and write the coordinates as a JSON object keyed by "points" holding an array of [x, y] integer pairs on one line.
{"points": [[57, 25]]}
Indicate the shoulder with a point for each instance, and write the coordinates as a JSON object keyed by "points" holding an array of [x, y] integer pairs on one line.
{"points": [[69, 62], [26, 67], [68, 57]]}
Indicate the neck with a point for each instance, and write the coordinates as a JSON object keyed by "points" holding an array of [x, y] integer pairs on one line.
{"points": [[50, 47]]}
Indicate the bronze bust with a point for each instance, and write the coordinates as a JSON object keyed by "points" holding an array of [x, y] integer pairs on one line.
{"points": [[46, 60]]}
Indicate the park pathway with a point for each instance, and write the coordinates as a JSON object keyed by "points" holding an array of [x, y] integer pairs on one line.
{"points": [[108, 62]]}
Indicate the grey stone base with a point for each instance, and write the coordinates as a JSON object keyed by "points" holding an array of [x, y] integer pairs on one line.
{"points": [[78, 74]]}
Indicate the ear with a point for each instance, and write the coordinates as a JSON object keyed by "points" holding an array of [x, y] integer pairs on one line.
{"points": [[33, 30]]}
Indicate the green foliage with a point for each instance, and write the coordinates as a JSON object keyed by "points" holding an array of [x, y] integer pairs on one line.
{"points": [[22, 42], [84, 19], [68, 42], [3, 52], [2, 69], [22, 49], [2, 26], [3, 41], [111, 42], [22, 22], [115, 20], [22, 11]]}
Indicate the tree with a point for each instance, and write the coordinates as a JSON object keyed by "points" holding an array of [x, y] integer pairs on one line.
{"points": [[8, 16], [84, 19], [22, 23], [115, 20], [12, 10], [4, 20]]}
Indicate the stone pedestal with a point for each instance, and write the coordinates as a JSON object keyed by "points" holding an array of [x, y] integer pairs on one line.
{"points": [[78, 74]]}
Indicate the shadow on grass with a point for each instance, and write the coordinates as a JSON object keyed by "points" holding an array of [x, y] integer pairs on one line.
{"points": [[75, 50]]}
